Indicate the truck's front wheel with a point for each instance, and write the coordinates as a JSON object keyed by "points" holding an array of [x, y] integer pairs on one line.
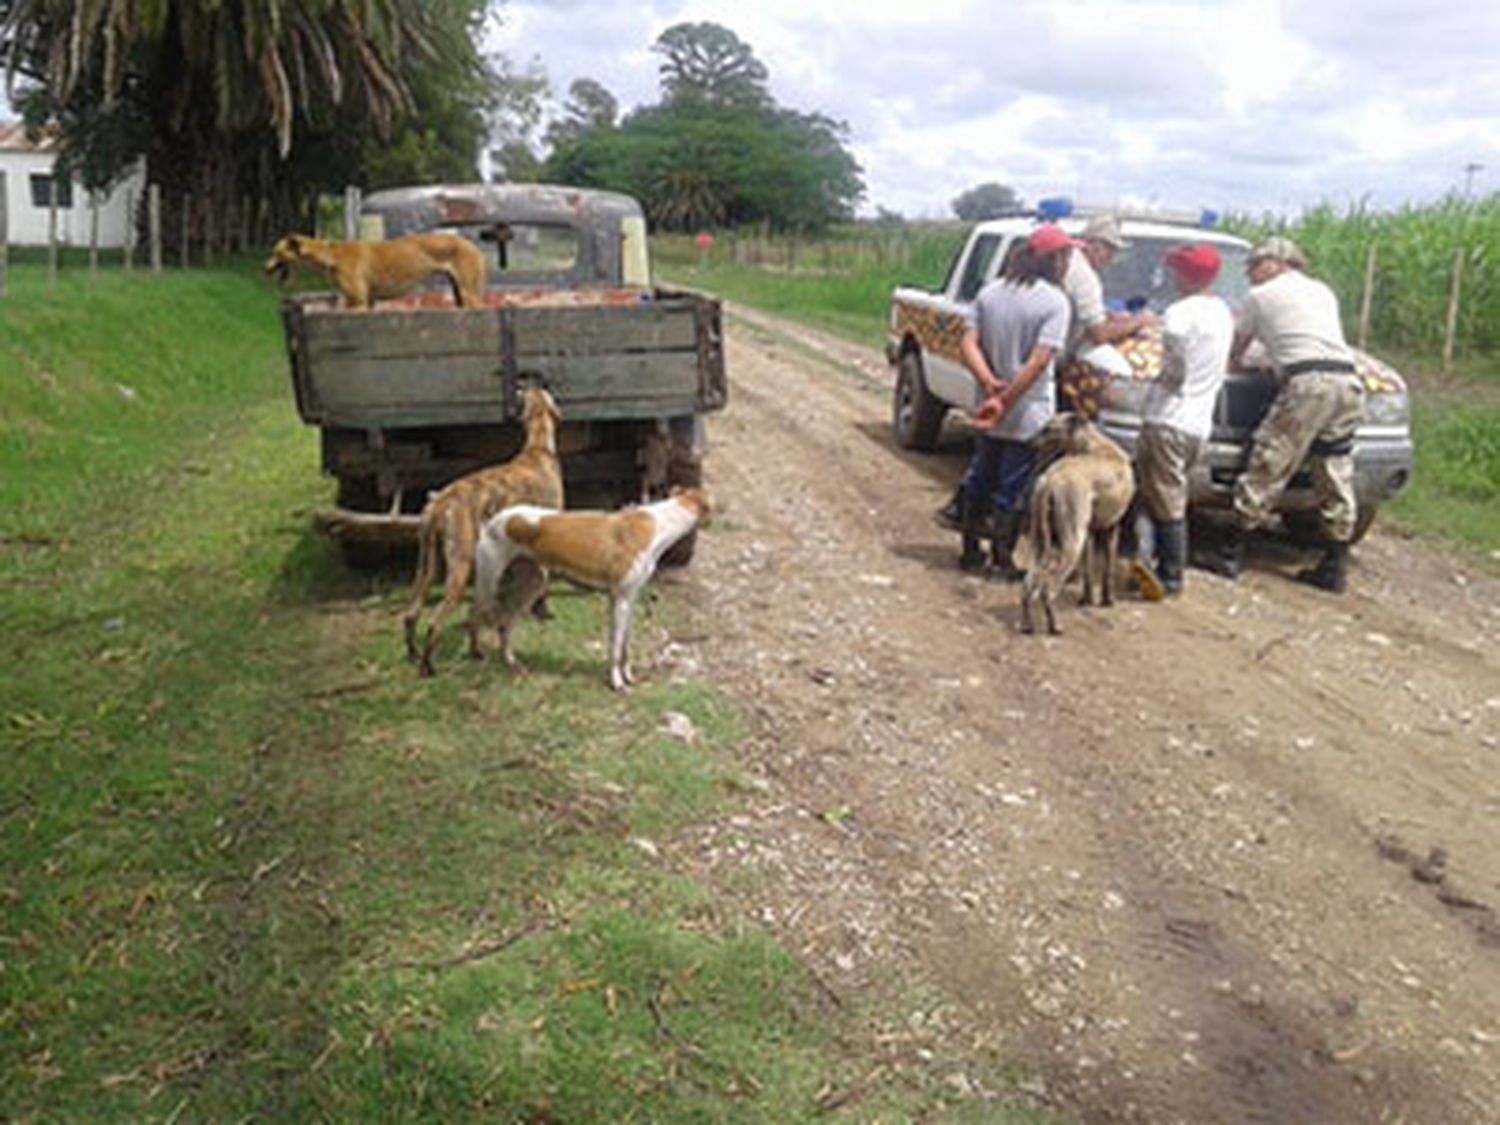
{"points": [[917, 415]]}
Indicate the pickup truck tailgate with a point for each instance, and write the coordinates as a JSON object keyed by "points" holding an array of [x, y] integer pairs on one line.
{"points": [[654, 355]]}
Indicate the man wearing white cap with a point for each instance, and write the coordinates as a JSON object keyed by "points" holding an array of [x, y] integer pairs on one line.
{"points": [[1313, 416], [1092, 323]]}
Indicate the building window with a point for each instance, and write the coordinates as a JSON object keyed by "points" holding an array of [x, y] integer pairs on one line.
{"points": [[41, 192]]}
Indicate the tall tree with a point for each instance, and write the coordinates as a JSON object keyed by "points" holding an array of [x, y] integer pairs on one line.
{"points": [[985, 201], [709, 63], [521, 102], [589, 106]]}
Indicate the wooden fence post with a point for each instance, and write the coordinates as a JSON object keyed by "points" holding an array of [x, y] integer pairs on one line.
{"points": [[245, 206], [1366, 298], [210, 229], [187, 219], [128, 248], [4, 235], [153, 219], [351, 214], [93, 234], [52, 230], [1451, 328]]}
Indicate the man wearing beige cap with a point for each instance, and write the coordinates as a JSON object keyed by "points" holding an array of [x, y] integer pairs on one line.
{"points": [[1092, 323], [1313, 416]]}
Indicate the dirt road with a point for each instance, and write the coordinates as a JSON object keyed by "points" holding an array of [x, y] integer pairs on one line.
{"points": [[1233, 858]]}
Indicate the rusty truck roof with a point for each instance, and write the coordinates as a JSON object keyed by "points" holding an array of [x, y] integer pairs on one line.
{"points": [[437, 205]]}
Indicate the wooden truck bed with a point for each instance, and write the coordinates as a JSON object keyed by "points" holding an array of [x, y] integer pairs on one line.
{"points": [[605, 354]]}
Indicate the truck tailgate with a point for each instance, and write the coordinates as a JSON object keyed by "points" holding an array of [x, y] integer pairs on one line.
{"points": [[659, 356]]}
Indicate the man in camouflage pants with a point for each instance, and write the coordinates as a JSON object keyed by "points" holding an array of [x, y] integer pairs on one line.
{"points": [[1313, 416]]}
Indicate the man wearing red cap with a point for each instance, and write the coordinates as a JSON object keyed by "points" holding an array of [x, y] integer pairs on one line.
{"points": [[1017, 326], [1197, 332]]}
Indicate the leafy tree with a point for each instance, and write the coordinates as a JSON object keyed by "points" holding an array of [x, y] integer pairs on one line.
{"points": [[985, 201], [275, 98], [589, 106], [520, 103], [709, 63], [715, 151]]}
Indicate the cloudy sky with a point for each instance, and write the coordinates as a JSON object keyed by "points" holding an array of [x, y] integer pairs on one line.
{"points": [[1247, 105]]}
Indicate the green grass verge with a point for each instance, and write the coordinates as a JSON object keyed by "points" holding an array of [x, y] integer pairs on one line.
{"points": [[253, 867]]}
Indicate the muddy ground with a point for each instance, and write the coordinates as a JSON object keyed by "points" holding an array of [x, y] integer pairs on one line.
{"points": [[1231, 858]]}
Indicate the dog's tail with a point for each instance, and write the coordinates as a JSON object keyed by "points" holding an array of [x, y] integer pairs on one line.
{"points": [[1024, 555]]}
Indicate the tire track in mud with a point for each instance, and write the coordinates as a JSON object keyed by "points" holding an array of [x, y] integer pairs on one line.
{"points": [[1159, 903]]}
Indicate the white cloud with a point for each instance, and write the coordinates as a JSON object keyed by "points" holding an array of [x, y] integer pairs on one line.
{"points": [[1235, 104]]}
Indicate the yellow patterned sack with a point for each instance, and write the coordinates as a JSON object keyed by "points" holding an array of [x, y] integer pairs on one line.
{"points": [[1082, 386]]}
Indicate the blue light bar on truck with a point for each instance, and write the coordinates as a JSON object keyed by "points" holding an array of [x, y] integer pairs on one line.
{"points": [[1058, 207]]}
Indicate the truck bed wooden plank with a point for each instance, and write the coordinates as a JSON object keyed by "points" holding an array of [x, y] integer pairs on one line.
{"points": [[363, 392], [438, 334]]}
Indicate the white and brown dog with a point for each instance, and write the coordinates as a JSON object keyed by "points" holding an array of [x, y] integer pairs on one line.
{"points": [[616, 552], [453, 518], [370, 271]]}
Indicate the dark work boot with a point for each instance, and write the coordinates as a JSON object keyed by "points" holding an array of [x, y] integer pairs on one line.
{"points": [[1229, 559], [972, 524], [1004, 529], [1331, 572], [1171, 549], [951, 514]]}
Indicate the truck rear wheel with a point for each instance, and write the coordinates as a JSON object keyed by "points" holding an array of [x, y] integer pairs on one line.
{"points": [[916, 415]]}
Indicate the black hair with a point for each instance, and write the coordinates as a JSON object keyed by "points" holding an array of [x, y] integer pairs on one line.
{"points": [[1025, 267]]}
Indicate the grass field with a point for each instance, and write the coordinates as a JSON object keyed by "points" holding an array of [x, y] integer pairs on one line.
{"points": [[1456, 419], [254, 868]]}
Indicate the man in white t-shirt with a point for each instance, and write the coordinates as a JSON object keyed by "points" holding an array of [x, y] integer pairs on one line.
{"points": [[1313, 416], [1197, 331]]}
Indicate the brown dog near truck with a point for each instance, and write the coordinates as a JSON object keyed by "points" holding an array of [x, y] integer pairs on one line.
{"points": [[1075, 512], [453, 518], [365, 272]]}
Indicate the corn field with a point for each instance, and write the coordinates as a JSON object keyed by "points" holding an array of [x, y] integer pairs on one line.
{"points": [[1415, 253]]}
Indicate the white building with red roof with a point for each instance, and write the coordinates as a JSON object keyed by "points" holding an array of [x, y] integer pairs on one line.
{"points": [[29, 183]]}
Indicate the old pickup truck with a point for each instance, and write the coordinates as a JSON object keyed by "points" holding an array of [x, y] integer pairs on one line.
{"points": [[930, 380], [413, 393]]}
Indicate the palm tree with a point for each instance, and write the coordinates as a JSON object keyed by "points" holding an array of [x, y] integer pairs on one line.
{"points": [[220, 82], [263, 60]]}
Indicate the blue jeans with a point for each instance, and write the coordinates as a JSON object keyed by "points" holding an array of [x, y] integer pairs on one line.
{"points": [[999, 475]]}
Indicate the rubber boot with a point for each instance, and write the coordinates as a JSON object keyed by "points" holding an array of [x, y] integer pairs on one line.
{"points": [[951, 514], [1005, 527], [1171, 553], [972, 524], [1229, 559], [1331, 572]]}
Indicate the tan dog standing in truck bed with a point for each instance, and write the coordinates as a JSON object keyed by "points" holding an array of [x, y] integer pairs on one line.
{"points": [[453, 517], [616, 552], [370, 271]]}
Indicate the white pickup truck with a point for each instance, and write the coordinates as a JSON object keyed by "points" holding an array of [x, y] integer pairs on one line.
{"points": [[925, 328]]}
